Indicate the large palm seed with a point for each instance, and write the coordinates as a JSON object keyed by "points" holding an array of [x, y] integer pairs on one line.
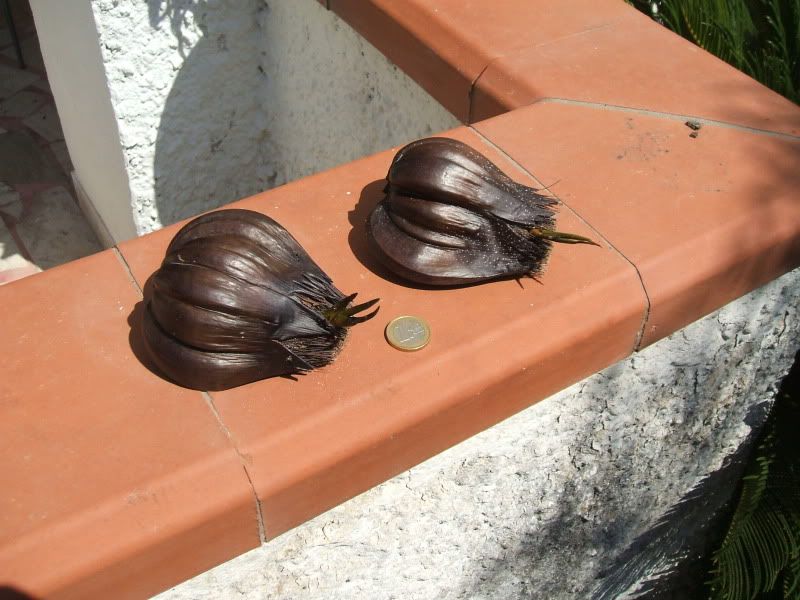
{"points": [[237, 299], [450, 216]]}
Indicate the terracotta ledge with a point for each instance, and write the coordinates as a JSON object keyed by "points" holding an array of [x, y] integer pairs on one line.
{"points": [[446, 45], [375, 411], [483, 59], [116, 480], [109, 474], [705, 220]]}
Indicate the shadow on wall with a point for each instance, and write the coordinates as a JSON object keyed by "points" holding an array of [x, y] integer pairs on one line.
{"points": [[271, 91], [660, 420], [210, 136]]}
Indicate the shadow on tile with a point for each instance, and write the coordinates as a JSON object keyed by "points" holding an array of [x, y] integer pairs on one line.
{"points": [[23, 161], [12, 593], [371, 194], [135, 338], [54, 230]]}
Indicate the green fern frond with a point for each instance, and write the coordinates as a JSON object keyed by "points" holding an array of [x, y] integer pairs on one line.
{"points": [[671, 558], [759, 37], [761, 550], [731, 577], [757, 549], [791, 578], [687, 22]]}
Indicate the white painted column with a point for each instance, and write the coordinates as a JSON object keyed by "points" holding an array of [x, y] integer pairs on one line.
{"points": [[71, 50]]}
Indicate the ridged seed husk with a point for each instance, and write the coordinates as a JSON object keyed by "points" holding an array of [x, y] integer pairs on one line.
{"points": [[450, 216], [237, 299]]}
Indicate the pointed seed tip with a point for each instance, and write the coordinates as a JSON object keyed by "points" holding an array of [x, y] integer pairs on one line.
{"points": [[360, 307], [342, 304], [562, 237], [356, 320]]}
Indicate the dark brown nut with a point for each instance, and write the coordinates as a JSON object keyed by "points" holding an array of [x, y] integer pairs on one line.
{"points": [[237, 299], [450, 216]]}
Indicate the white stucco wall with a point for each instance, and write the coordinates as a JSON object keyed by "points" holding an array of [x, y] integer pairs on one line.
{"points": [[218, 99], [536, 506]]}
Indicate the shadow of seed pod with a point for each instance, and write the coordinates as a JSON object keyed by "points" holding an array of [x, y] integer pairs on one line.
{"points": [[237, 299], [450, 216]]}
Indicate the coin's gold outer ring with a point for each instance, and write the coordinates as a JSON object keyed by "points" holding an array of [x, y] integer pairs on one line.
{"points": [[394, 343]]}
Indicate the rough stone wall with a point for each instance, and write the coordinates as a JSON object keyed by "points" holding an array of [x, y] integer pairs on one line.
{"points": [[220, 99], [536, 506]]}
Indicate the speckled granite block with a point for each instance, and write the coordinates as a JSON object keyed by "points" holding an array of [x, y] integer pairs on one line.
{"points": [[536, 506]]}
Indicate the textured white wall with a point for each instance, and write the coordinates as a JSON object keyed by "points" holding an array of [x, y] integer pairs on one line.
{"points": [[219, 99], [536, 506]]}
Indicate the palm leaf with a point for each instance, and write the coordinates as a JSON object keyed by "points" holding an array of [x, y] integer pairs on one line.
{"points": [[791, 578], [670, 559], [762, 545]]}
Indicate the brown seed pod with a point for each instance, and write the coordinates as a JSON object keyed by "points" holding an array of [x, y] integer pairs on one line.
{"points": [[450, 216], [237, 299]]}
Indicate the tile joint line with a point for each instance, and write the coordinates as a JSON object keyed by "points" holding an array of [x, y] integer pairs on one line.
{"points": [[517, 51], [127, 269], [646, 316], [259, 514], [212, 407], [665, 115], [262, 532], [637, 344]]}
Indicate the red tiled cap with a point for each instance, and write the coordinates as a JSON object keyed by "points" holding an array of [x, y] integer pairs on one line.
{"points": [[115, 482], [445, 45], [705, 219], [632, 63], [374, 412]]}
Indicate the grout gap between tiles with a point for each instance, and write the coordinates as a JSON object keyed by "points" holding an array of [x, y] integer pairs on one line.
{"points": [[667, 115], [128, 271], [262, 536], [646, 316]]}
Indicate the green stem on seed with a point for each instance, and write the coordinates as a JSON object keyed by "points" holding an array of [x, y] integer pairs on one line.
{"points": [[342, 315], [561, 237]]}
